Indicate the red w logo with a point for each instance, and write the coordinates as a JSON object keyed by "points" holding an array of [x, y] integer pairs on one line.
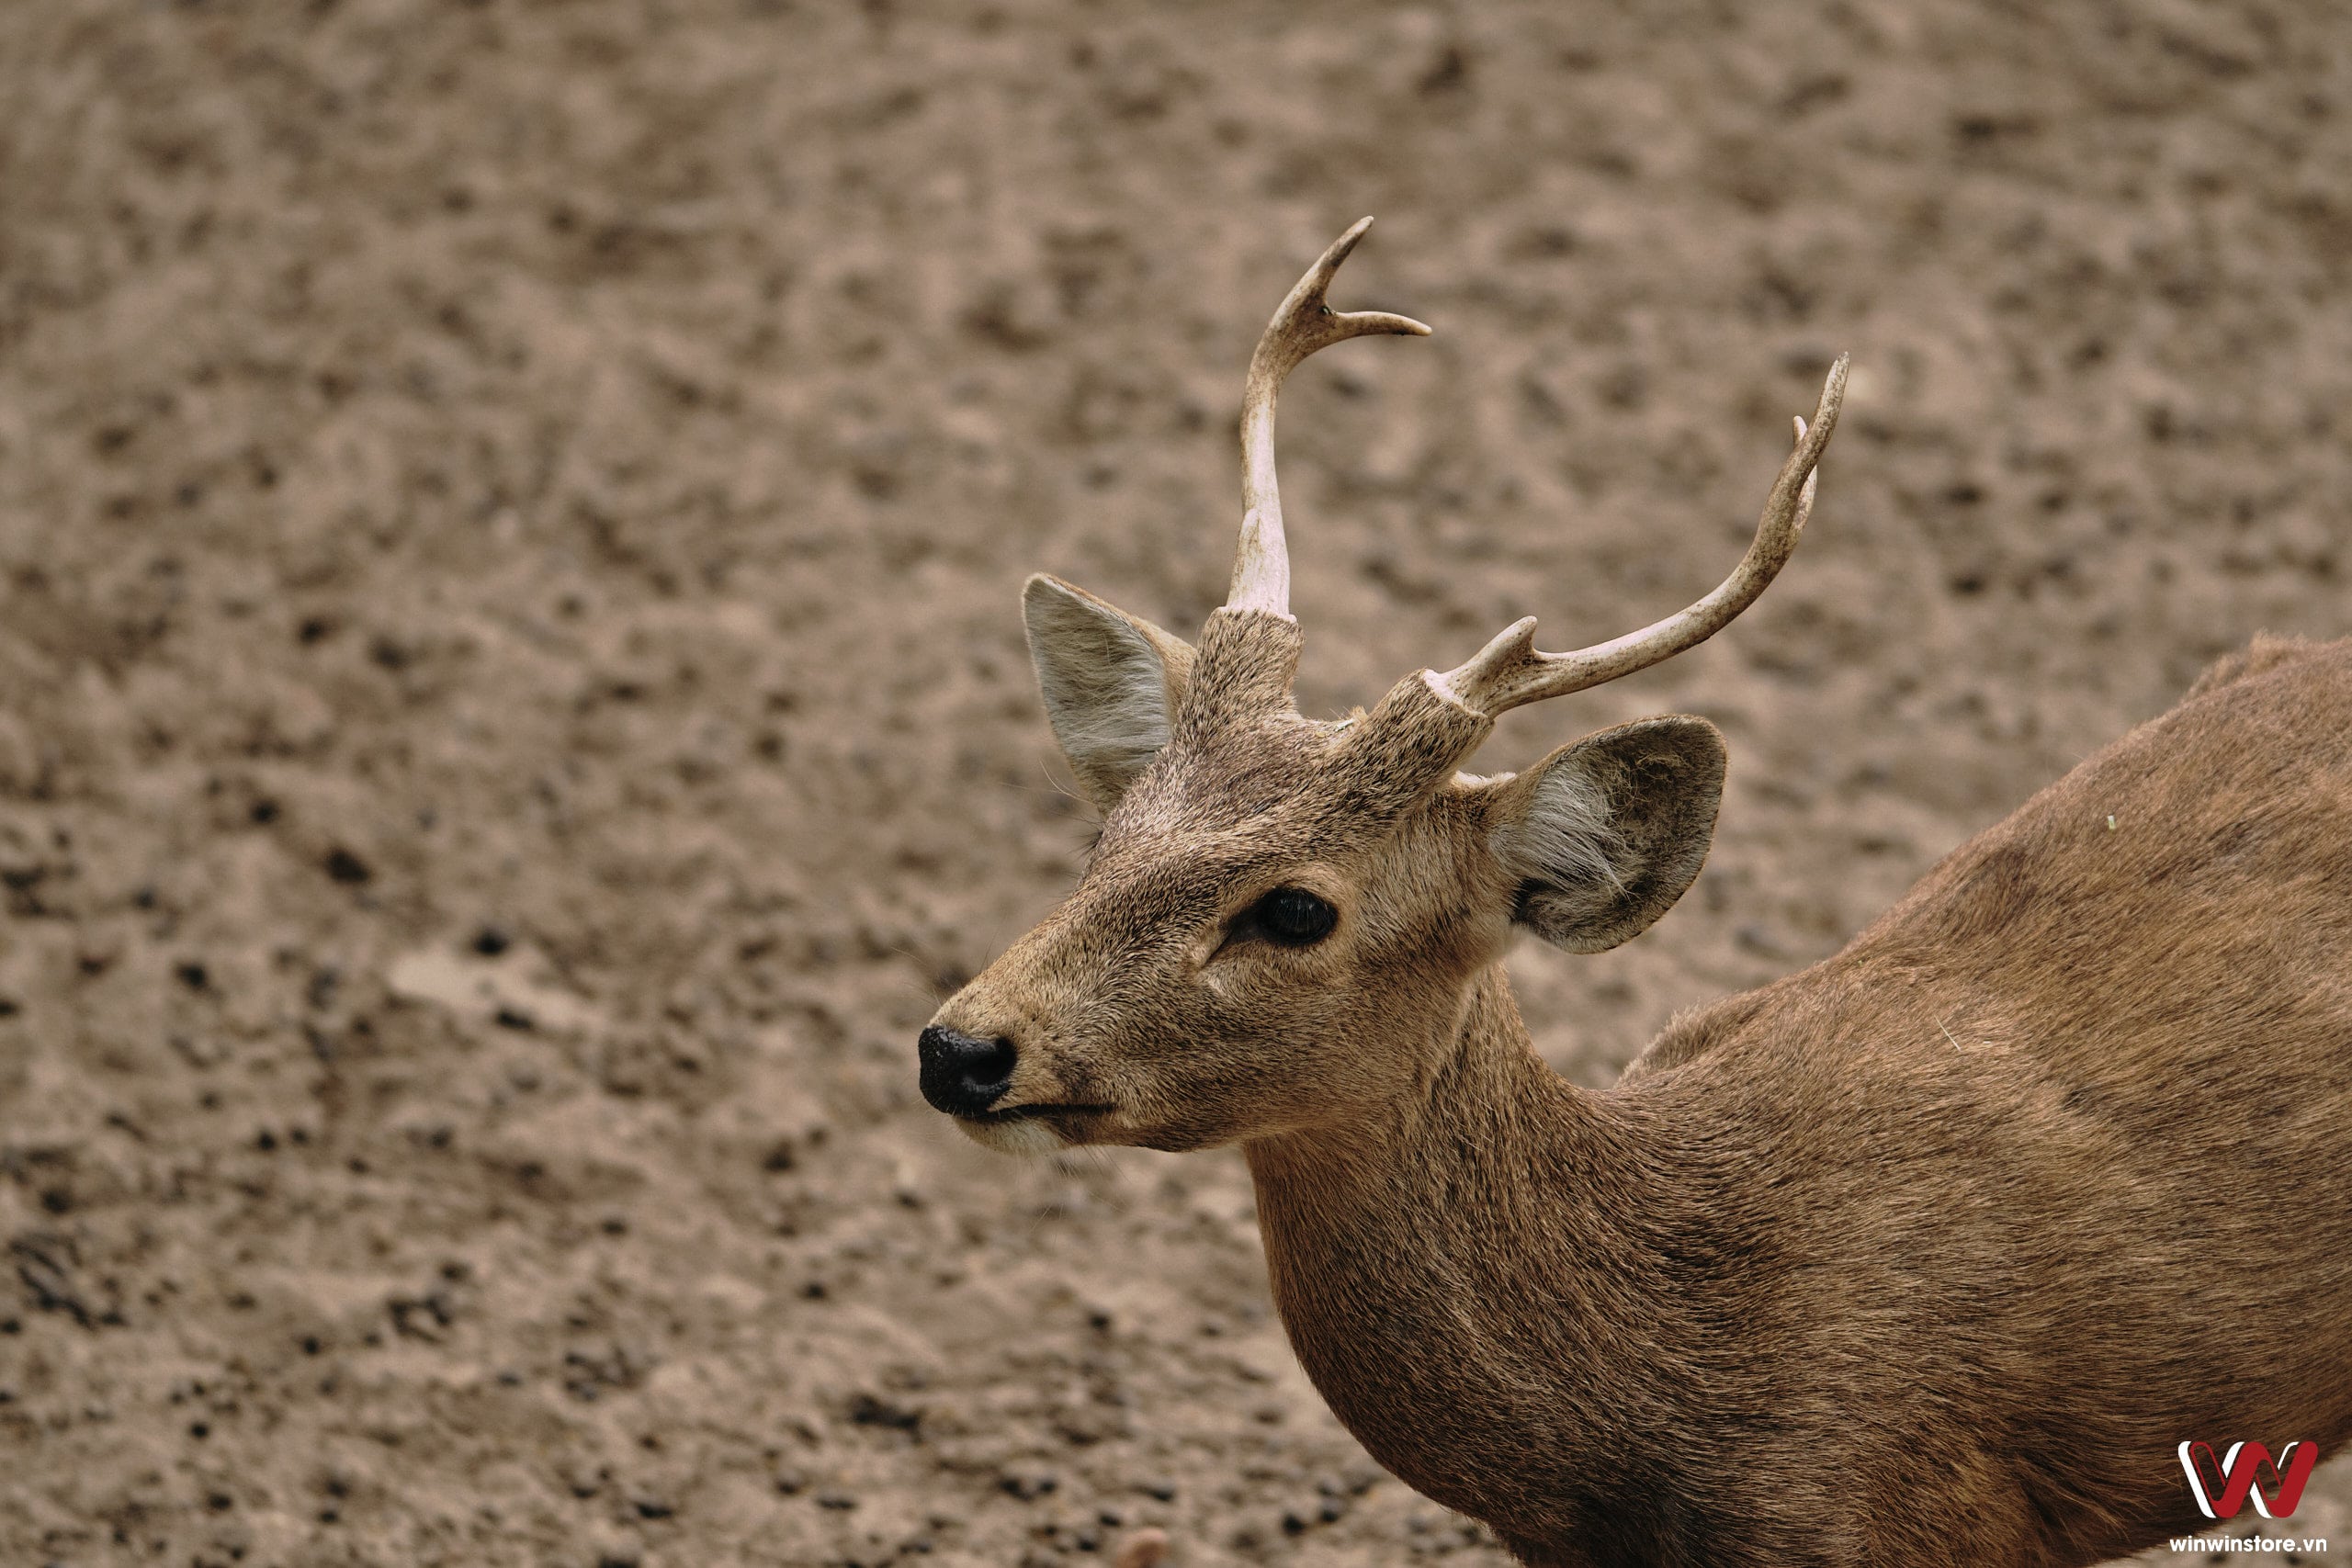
{"points": [[2235, 1473]]}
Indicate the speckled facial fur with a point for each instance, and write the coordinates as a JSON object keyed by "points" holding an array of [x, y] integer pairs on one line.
{"points": [[1135, 998]]}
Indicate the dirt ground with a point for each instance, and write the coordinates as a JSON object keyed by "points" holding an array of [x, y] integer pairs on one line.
{"points": [[513, 705]]}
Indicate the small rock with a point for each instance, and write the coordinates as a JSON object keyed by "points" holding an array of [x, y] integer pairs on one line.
{"points": [[1143, 1549], [1029, 1485]]}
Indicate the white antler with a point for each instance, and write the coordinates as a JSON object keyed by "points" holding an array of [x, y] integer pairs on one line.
{"points": [[1509, 672], [1302, 324]]}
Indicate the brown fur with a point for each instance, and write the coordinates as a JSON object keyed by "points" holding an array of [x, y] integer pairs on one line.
{"points": [[1928, 1254]]}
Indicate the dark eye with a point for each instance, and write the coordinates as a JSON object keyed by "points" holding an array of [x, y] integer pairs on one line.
{"points": [[1292, 916]]}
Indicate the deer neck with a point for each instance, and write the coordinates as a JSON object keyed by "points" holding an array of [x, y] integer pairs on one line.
{"points": [[1467, 1282]]}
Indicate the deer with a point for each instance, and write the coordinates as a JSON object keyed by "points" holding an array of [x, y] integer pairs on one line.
{"points": [[1937, 1252]]}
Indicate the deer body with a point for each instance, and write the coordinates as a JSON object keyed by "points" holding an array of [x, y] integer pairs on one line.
{"points": [[1931, 1254]]}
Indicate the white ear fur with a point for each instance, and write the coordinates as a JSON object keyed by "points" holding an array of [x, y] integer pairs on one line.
{"points": [[1109, 681], [1600, 838], [1563, 834]]}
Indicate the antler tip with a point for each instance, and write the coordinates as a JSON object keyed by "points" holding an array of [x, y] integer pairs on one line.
{"points": [[1814, 435], [1346, 243], [1514, 642], [1363, 323]]}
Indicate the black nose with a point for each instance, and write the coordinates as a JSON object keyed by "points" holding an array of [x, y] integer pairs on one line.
{"points": [[963, 1076]]}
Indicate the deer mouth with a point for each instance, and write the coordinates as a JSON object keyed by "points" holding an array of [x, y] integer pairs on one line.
{"points": [[1031, 1112]]}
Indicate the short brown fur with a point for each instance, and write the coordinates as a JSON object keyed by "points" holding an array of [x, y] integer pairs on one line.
{"points": [[1931, 1254]]}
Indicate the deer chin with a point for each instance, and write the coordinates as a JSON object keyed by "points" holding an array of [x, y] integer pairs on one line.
{"points": [[1031, 1130], [1019, 1138]]}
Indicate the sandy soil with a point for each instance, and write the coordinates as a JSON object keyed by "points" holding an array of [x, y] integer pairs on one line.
{"points": [[512, 702]]}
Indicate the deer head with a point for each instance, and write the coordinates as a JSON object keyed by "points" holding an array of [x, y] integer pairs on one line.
{"points": [[1279, 920]]}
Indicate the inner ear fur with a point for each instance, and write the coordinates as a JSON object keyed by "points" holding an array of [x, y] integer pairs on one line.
{"points": [[1602, 836], [1111, 681]]}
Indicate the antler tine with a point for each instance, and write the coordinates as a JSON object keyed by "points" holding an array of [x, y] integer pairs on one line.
{"points": [[1302, 324], [1509, 673]]}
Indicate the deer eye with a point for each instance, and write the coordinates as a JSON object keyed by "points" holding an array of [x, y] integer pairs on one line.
{"points": [[1291, 917]]}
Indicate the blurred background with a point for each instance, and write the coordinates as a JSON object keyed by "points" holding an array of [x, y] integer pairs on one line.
{"points": [[512, 701]]}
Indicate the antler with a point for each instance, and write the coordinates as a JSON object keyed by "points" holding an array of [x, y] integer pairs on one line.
{"points": [[1509, 672], [1302, 324]]}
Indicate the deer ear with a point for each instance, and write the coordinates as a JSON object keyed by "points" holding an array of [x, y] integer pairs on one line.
{"points": [[1110, 679], [1600, 838]]}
